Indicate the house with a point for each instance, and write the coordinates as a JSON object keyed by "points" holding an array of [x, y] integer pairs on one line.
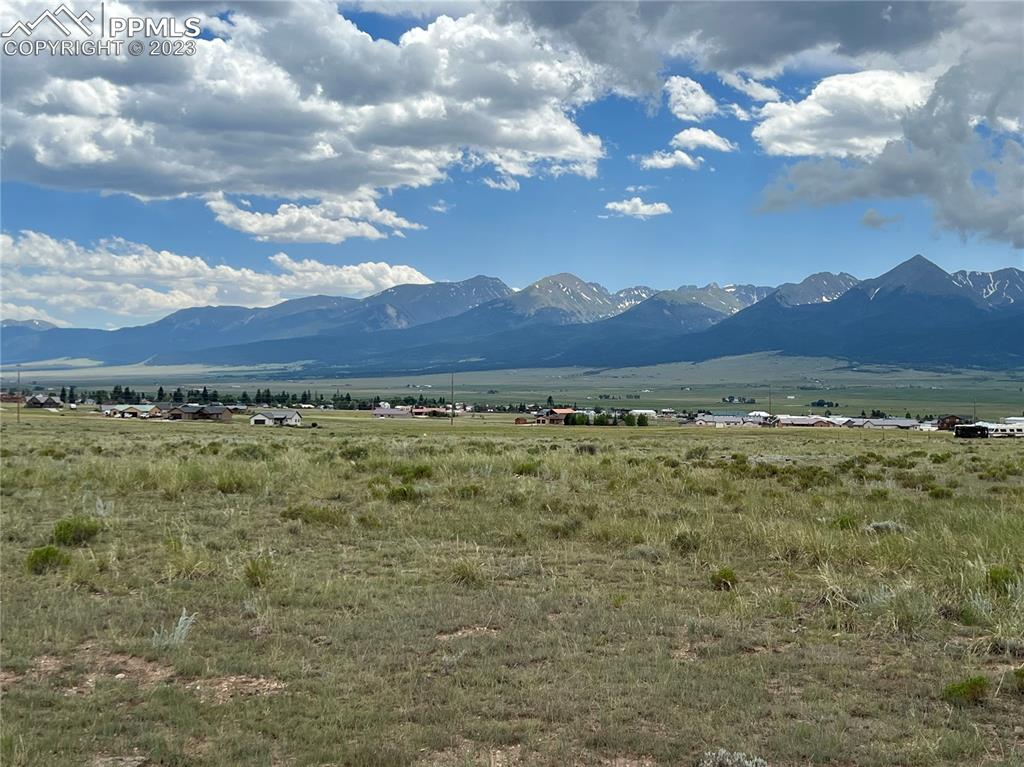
{"points": [[640, 412], [213, 413], [554, 416], [891, 423], [520, 421], [949, 422], [183, 412], [43, 400], [132, 411], [803, 420], [199, 413], [427, 412], [276, 418], [391, 412], [726, 421]]}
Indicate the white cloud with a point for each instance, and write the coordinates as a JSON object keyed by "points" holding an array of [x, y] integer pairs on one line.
{"points": [[695, 138], [872, 219], [637, 208], [751, 87], [849, 115], [687, 99], [441, 207], [665, 160], [332, 220], [10, 311], [738, 112], [64, 279], [505, 184], [348, 113], [638, 188]]}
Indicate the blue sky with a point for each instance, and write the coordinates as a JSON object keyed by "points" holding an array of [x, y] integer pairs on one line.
{"points": [[437, 218]]}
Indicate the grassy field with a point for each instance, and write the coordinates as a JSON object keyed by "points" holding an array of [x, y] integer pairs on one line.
{"points": [[405, 593]]}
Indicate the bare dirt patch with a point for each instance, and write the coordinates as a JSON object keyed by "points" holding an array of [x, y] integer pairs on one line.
{"points": [[468, 631], [224, 688], [119, 667], [119, 761], [469, 753]]}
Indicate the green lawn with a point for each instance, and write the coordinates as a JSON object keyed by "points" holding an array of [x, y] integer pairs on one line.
{"points": [[407, 593]]}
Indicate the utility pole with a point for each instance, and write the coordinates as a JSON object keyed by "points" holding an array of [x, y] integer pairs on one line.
{"points": [[18, 400], [451, 420], [770, 413]]}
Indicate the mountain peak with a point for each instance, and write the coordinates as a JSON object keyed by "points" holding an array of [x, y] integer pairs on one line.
{"points": [[919, 276], [818, 288]]}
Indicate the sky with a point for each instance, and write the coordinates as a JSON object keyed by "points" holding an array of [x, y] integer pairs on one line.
{"points": [[317, 148]]}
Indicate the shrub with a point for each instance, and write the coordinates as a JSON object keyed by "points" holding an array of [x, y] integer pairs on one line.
{"points": [[685, 541], [885, 526], [466, 572], [176, 637], [1018, 675], [846, 521], [257, 570], [562, 527], [723, 758], [1000, 579], [645, 552], [970, 691], [45, 559], [641, 420], [74, 531], [940, 492], [527, 468], [723, 579], [697, 453], [322, 515], [403, 493], [586, 448], [414, 471], [468, 491]]}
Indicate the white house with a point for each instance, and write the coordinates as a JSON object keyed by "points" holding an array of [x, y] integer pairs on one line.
{"points": [[276, 418]]}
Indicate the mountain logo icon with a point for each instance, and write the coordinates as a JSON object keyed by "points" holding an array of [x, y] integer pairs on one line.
{"points": [[54, 17]]}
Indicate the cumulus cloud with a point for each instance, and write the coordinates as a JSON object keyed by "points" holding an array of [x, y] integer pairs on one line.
{"points": [[872, 219], [332, 220], [959, 149], [751, 87], [349, 114], [688, 100], [9, 311], [696, 138], [849, 115], [637, 208], [666, 160], [506, 184], [66, 280]]}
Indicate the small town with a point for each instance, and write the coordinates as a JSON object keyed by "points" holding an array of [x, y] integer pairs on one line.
{"points": [[269, 414]]}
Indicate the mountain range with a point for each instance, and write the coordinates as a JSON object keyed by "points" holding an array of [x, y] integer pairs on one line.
{"points": [[915, 314]]}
